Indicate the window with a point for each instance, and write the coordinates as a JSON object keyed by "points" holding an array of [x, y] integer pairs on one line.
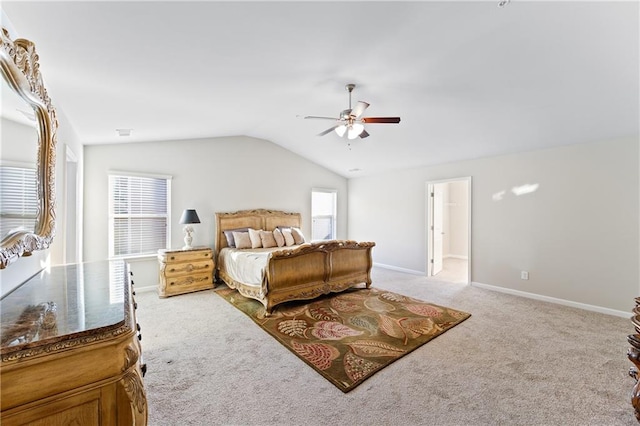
{"points": [[138, 214], [323, 214], [18, 199]]}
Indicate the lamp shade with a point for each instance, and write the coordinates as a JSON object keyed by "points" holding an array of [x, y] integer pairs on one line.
{"points": [[355, 130], [341, 129], [189, 216]]}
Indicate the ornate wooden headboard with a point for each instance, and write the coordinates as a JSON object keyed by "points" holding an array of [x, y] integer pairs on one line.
{"points": [[256, 219]]}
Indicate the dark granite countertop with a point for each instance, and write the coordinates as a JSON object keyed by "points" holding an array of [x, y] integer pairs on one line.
{"points": [[63, 303]]}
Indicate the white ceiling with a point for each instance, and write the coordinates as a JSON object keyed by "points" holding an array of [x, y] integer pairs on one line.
{"points": [[469, 79]]}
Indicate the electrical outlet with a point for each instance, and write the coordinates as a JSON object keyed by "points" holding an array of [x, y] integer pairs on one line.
{"points": [[524, 275]]}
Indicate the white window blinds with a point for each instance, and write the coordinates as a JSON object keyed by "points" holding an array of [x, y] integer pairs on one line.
{"points": [[138, 215], [18, 199]]}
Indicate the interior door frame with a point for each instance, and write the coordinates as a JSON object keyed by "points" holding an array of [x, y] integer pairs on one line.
{"points": [[428, 217], [71, 220], [436, 223]]}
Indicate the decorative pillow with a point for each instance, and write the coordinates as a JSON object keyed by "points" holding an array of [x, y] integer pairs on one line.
{"points": [[268, 240], [228, 234], [254, 235], [277, 235], [288, 238], [242, 240], [297, 235]]}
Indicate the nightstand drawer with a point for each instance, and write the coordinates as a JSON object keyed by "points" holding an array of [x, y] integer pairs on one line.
{"points": [[191, 282], [187, 268], [185, 256]]}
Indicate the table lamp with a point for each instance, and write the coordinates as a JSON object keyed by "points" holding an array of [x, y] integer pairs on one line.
{"points": [[189, 217]]}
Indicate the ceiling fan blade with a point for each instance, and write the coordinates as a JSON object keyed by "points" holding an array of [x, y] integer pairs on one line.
{"points": [[321, 118], [329, 130], [364, 134], [359, 109], [380, 119]]}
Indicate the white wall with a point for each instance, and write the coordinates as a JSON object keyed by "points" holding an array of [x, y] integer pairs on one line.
{"points": [[210, 175], [67, 139], [577, 234]]}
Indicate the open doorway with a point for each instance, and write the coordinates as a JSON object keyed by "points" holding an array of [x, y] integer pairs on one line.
{"points": [[449, 230], [71, 246]]}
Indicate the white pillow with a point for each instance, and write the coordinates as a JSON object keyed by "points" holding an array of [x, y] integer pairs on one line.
{"points": [[277, 235], [254, 235], [268, 240], [242, 240], [297, 235], [288, 238]]}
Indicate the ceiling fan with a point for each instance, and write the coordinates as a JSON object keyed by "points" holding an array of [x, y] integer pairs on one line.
{"points": [[350, 122]]}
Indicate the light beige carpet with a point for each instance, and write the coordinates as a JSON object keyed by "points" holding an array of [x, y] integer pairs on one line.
{"points": [[516, 361]]}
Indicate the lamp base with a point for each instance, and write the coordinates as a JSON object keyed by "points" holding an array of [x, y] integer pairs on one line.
{"points": [[188, 238]]}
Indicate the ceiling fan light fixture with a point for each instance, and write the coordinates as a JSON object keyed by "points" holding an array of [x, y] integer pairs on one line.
{"points": [[341, 129], [355, 130], [350, 121]]}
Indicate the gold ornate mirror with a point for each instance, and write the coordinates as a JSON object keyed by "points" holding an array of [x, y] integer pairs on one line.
{"points": [[21, 76]]}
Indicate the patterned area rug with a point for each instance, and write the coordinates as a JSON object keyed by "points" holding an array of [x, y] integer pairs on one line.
{"points": [[349, 336]]}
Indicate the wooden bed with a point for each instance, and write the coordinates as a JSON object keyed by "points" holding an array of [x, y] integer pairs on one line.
{"points": [[300, 272]]}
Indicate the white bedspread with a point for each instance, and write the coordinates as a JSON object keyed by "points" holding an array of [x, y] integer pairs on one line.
{"points": [[246, 266]]}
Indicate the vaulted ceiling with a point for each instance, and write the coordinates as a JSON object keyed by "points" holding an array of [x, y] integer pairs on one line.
{"points": [[469, 79]]}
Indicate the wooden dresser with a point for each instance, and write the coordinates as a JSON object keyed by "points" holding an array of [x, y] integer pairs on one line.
{"points": [[184, 271], [70, 349]]}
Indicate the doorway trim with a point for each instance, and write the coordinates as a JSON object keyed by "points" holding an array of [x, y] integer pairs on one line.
{"points": [[429, 219]]}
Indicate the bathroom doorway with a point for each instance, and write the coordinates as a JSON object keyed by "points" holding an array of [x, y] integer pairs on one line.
{"points": [[449, 230]]}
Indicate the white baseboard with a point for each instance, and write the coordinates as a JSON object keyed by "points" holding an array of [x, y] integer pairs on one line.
{"points": [[396, 268], [456, 256], [146, 288], [564, 302]]}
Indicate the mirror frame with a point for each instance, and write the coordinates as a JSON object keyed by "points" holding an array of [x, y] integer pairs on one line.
{"points": [[21, 71]]}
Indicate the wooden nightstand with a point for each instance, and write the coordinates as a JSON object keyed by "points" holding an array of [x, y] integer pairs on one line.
{"points": [[184, 271]]}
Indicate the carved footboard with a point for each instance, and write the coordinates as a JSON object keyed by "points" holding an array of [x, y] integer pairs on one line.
{"points": [[316, 269]]}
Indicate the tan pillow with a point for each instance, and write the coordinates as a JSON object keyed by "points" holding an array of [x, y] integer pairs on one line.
{"points": [[297, 235], [268, 240], [254, 235], [288, 238], [242, 240], [277, 235]]}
